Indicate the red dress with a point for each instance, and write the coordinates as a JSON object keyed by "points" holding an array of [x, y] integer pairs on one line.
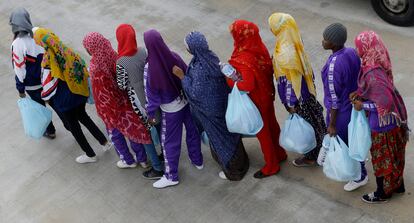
{"points": [[252, 60]]}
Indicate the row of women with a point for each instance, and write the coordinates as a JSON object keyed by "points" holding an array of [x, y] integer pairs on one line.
{"points": [[138, 88]]}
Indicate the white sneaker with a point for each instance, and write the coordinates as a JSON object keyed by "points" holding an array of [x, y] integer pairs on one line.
{"points": [[144, 165], [222, 175], [108, 146], [86, 159], [123, 165], [199, 167], [352, 185], [164, 182]]}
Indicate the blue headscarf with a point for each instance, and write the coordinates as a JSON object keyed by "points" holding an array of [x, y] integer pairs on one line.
{"points": [[207, 91]]}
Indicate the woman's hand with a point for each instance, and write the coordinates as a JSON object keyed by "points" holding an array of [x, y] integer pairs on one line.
{"points": [[353, 96], [357, 105], [332, 131], [291, 110], [178, 72]]}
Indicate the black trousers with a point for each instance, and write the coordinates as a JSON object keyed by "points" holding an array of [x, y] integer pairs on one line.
{"points": [[78, 115]]}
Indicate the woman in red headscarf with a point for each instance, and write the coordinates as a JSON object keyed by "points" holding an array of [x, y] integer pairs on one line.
{"points": [[252, 60], [387, 116], [130, 78]]}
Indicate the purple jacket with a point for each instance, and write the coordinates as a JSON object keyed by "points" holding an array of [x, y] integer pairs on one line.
{"points": [[340, 78], [286, 93], [373, 120]]}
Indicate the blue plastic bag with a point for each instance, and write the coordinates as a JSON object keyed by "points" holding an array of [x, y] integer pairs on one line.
{"points": [[297, 135], [242, 116], [205, 139], [90, 98], [155, 137], [338, 165], [359, 136], [35, 117]]}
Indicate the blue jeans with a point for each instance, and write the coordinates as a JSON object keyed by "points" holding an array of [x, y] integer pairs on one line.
{"points": [[153, 156]]}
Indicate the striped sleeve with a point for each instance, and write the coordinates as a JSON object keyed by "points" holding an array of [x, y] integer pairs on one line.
{"points": [[331, 84]]}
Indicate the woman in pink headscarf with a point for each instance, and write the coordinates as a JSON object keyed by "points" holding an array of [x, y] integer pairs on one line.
{"points": [[387, 116]]}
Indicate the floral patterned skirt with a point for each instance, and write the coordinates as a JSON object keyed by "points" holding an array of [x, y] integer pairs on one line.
{"points": [[388, 158]]}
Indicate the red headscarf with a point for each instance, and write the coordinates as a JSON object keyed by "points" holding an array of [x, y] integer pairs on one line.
{"points": [[376, 84], [127, 42], [112, 104], [251, 53]]}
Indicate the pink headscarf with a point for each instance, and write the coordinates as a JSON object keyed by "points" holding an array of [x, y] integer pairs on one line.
{"points": [[112, 104], [375, 82]]}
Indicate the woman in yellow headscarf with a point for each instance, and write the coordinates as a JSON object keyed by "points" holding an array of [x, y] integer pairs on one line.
{"points": [[65, 85], [295, 80]]}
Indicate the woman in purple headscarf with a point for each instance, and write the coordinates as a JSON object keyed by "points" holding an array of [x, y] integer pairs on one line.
{"points": [[164, 91]]}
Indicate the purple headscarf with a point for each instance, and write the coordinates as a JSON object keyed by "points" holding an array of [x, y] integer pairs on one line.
{"points": [[161, 60]]}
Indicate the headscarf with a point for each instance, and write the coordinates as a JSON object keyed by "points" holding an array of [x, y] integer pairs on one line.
{"points": [[63, 62], [127, 42], [377, 87], [289, 56], [112, 104], [161, 60], [373, 53], [251, 53], [207, 91], [203, 74], [20, 21]]}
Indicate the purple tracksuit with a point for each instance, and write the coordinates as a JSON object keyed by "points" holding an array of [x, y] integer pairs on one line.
{"points": [[340, 79], [122, 149], [171, 133]]}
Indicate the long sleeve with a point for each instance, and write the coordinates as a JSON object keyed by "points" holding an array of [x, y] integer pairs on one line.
{"points": [[369, 106], [121, 77], [19, 66], [286, 93], [247, 83], [153, 98], [334, 83]]}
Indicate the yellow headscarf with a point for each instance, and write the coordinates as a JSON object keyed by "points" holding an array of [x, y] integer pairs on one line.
{"points": [[63, 63], [289, 57]]}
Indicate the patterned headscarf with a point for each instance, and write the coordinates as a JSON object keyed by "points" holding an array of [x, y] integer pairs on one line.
{"points": [[127, 42], [112, 104], [204, 81], [289, 57], [251, 53], [373, 52], [377, 85], [63, 62]]}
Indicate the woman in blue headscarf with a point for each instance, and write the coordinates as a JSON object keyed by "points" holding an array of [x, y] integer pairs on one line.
{"points": [[207, 92]]}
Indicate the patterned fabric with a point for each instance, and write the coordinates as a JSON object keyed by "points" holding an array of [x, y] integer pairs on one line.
{"points": [[112, 103], [388, 158], [63, 62], [127, 42], [122, 81], [312, 112], [373, 53], [251, 53], [207, 92], [376, 81], [289, 57]]}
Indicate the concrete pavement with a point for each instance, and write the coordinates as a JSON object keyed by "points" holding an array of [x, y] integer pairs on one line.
{"points": [[40, 182]]}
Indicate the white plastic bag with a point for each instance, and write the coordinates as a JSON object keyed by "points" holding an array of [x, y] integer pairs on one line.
{"points": [[35, 117], [339, 166], [242, 115], [359, 136], [297, 135]]}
